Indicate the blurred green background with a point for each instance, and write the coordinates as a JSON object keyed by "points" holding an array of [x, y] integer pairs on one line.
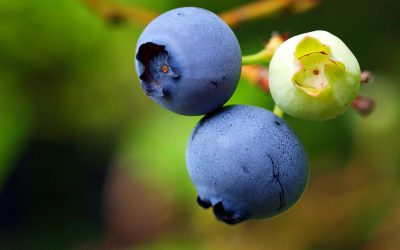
{"points": [[87, 161]]}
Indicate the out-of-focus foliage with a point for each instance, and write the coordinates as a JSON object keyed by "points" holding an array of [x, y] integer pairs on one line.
{"points": [[67, 78], [15, 122]]}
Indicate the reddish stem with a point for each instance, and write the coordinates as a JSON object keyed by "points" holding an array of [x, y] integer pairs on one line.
{"points": [[121, 13], [263, 8]]}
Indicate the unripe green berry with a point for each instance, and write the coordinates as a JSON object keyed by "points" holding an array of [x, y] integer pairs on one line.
{"points": [[314, 76]]}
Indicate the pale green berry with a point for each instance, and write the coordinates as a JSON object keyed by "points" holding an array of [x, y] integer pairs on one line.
{"points": [[314, 76]]}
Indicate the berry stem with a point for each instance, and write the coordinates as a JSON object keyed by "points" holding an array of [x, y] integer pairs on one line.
{"points": [[113, 12], [264, 8], [116, 13], [278, 112], [262, 57], [265, 55]]}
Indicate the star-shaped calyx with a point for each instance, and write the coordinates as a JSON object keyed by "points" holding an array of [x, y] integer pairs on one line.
{"points": [[316, 68], [156, 72]]}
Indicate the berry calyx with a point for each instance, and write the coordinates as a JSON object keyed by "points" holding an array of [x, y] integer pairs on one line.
{"points": [[188, 61], [314, 76]]}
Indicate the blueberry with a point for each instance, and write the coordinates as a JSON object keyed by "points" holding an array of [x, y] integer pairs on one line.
{"points": [[189, 61], [246, 163]]}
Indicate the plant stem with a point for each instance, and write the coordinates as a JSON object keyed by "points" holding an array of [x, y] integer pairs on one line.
{"points": [[257, 58], [264, 56], [263, 8], [115, 12], [278, 112], [121, 13]]}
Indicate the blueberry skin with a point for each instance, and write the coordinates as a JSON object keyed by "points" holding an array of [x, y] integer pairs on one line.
{"points": [[246, 163], [189, 61]]}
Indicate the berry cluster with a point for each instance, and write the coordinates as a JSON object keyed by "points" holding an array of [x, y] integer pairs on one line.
{"points": [[245, 161]]}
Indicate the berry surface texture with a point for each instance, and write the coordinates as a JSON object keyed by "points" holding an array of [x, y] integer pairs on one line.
{"points": [[188, 61], [246, 163]]}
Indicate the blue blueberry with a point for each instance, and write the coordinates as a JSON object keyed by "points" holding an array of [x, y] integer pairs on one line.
{"points": [[246, 163], [189, 61]]}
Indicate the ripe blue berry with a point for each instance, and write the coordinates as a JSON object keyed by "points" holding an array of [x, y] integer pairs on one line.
{"points": [[189, 61], [247, 163]]}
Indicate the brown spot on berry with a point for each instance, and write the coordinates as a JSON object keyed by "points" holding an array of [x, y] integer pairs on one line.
{"points": [[164, 69], [315, 72]]}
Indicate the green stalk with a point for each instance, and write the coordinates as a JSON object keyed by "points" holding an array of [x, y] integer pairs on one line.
{"points": [[262, 57], [278, 112]]}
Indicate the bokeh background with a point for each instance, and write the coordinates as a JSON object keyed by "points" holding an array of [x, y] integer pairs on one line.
{"points": [[87, 161]]}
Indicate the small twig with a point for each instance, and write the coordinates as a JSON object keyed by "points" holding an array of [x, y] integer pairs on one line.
{"points": [[364, 105], [265, 55], [117, 13], [278, 112], [264, 8], [121, 13], [303, 5]]}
